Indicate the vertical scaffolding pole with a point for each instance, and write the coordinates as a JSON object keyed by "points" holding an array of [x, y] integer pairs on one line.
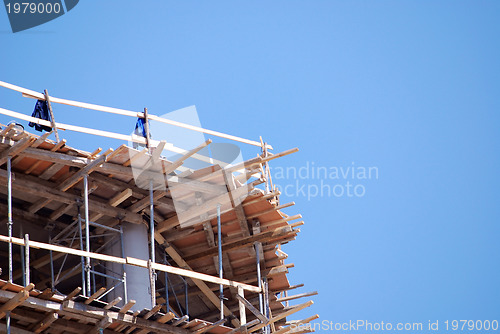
{"points": [[82, 260], [87, 231], [9, 226], [259, 278], [167, 304], [123, 267], [152, 237], [52, 285], [219, 244], [9, 222], [26, 259]]}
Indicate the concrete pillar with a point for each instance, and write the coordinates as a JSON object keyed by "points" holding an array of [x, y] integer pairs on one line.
{"points": [[135, 244]]}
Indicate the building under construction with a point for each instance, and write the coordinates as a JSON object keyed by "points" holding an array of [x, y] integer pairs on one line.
{"points": [[127, 241]]}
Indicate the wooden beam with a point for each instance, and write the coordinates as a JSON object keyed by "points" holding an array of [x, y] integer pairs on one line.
{"points": [[293, 326], [119, 198], [56, 147], [245, 303], [69, 182], [45, 323], [52, 119], [301, 295], [28, 185], [282, 315], [200, 284], [32, 94], [15, 149], [191, 274], [244, 328], [96, 295], [236, 204], [241, 304], [125, 319], [17, 300], [113, 303], [127, 306], [210, 326], [73, 293], [239, 243]]}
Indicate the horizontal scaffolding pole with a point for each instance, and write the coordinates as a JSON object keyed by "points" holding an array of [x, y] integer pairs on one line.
{"points": [[132, 261], [32, 94], [108, 134]]}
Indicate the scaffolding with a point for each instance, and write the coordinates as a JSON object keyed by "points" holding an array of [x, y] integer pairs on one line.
{"points": [[212, 228]]}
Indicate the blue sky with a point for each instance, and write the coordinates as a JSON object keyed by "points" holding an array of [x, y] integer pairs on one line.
{"points": [[408, 87]]}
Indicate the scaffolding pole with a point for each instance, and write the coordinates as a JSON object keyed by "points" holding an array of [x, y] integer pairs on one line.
{"points": [[219, 244], [87, 233], [259, 278], [152, 237], [9, 226]]}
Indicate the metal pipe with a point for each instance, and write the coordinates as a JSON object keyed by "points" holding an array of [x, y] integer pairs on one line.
{"points": [[152, 240], [167, 304], [259, 278], [9, 222], [8, 321], [186, 297], [219, 242], [87, 230], [27, 259], [81, 247], [123, 266], [152, 221], [9, 226], [52, 285]]}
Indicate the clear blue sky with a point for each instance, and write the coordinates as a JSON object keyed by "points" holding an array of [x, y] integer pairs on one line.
{"points": [[409, 87]]}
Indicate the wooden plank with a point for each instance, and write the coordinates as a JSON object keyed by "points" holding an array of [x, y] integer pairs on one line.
{"points": [[191, 274], [67, 250], [239, 243], [301, 295], [127, 306], [113, 303], [259, 160], [53, 149], [40, 140], [244, 328], [200, 284], [7, 129], [13, 329], [119, 198], [238, 208], [17, 300], [241, 304], [69, 182], [73, 293], [166, 318], [15, 149], [122, 318], [29, 186], [96, 295], [282, 315], [45, 323], [245, 303], [32, 94], [81, 129], [108, 134], [209, 327], [52, 119], [295, 325]]}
